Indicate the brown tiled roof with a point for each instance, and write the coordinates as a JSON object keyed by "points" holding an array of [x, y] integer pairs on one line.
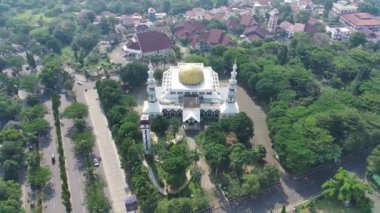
{"points": [[311, 29], [286, 25], [313, 21], [214, 36], [153, 41], [186, 29], [361, 19], [254, 37], [298, 28], [256, 32], [232, 24], [246, 20], [133, 45], [141, 27]]}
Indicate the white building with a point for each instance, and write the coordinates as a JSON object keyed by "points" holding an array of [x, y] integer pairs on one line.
{"points": [[192, 92], [338, 33], [272, 22], [343, 7]]}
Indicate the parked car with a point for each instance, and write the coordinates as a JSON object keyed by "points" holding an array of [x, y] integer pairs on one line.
{"points": [[79, 83], [96, 162]]}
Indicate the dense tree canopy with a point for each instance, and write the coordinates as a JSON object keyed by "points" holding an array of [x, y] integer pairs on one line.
{"points": [[373, 166], [348, 188]]}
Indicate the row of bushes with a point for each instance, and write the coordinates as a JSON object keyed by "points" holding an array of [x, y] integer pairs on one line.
{"points": [[65, 195]]}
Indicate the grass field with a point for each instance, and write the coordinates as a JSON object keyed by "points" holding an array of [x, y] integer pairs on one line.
{"points": [[324, 205]]}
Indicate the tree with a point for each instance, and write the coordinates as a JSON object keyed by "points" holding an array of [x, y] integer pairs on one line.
{"points": [[51, 75], [166, 6], [239, 156], [86, 40], [357, 38], [283, 209], [259, 152], [10, 197], [76, 111], [134, 74], [30, 83], [15, 62], [241, 125], [36, 126], [65, 31], [40, 176], [373, 166], [283, 55], [217, 156], [159, 125], [83, 143], [10, 169], [348, 188], [30, 60]]}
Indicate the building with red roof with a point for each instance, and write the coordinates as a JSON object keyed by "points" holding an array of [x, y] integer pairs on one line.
{"points": [[357, 21], [147, 44], [256, 33], [247, 21], [290, 29], [188, 29], [205, 40]]}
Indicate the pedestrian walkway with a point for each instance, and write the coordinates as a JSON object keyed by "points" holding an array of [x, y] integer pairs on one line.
{"points": [[114, 174]]}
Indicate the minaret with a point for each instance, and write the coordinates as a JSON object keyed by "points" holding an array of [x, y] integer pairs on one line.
{"points": [[230, 106], [145, 130], [232, 89], [272, 22], [151, 89]]}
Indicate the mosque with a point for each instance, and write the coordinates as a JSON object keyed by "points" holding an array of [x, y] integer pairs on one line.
{"points": [[191, 91]]}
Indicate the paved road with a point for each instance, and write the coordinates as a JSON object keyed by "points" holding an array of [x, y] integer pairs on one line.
{"points": [[52, 201], [114, 174], [74, 168]]}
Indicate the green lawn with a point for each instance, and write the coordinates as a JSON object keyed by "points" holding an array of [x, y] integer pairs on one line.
{"points": [[324, 205]]}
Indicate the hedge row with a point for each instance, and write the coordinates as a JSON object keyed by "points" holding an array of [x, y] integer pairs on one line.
{"points": [[65, 195]]}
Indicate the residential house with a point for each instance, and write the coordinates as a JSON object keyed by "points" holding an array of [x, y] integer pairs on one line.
{"points": [[338, 33], [147, 44], [164, 29], [342, 7], [195, 14], [206, 40], [290, 29], [372, 36], [255, 33], [357, 21], [232, 25], [247, 21], [188, 29]]}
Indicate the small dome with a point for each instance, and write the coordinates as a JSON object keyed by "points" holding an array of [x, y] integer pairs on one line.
{"points": [[190, 74]]}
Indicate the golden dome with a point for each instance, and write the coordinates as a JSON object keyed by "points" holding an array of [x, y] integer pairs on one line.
{"points": [[190, 74]]}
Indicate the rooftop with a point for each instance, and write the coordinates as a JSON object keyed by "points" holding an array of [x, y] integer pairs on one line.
{"points": [[153, 41], [361, 19]]}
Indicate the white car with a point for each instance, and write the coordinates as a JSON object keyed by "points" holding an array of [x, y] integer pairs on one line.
{"points": [[79, 83], [96, 162]]}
